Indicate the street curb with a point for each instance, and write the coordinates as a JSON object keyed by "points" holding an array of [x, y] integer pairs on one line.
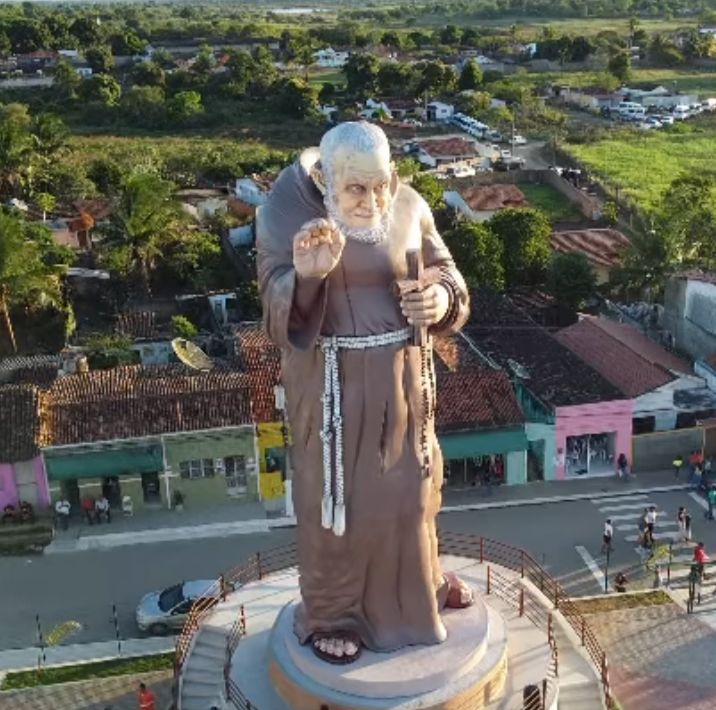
{"points": [[559, 499]]}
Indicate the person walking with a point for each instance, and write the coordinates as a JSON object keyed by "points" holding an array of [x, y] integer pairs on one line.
{"points": [[147, 701], [711, 499], [607, 537], [101, 506], [677, 463], [622, 466], [644, 539], [651, 521], [62, 511], [88, 508], [687, 525], [700, 558], [681, 520]]}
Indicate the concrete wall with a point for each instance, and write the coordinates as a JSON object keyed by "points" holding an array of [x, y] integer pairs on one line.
{"points": [[546, 433], [690, 316], [659, 403], [707, 372], [656, 451], [613, 417]]}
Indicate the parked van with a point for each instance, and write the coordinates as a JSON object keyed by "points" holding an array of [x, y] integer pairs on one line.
{"points": [[681, 112], [631, 109]]}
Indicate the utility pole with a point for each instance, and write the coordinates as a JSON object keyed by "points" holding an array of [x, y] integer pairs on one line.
{"points": [[606, 568]]}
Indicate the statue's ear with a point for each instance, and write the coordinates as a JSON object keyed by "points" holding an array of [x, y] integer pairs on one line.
{"points": [[394, 180], [319, 181]]}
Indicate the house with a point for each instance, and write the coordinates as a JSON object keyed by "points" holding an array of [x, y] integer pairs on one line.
{"points": [[249, 193], [603, 248], [480, 202], [206, 203], [150, 341], [37, 61], [478, 417], [435, 152], [375, 109], [74, 232], [689, 317], [588, 99], [571, 411], [261, 360], [22, 472], [329, 58], [437, 111], [147, 432]]}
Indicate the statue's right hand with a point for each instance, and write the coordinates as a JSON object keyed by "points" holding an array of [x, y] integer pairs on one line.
{"points": [[317, 248]]}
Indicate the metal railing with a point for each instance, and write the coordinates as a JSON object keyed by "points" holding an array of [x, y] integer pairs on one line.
{"points": [[515, 595], [480, 549]]}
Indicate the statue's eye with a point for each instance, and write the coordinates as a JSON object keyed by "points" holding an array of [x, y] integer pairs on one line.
{"points": [[356, 189]]}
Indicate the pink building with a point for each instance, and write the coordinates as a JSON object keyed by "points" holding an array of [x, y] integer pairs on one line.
{"points": [[22, 472], [590, 437]]}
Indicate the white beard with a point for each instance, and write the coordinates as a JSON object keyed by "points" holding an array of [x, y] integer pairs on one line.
{"points": [[367, 235]]}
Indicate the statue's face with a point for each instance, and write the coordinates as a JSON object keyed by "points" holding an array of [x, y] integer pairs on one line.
{"points": [[362, 189]]}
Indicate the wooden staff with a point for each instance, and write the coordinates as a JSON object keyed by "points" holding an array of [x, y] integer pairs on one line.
{"points": [[414, 257]]}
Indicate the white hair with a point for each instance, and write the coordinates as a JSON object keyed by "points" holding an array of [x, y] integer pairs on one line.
{"points": [[356, 137]]}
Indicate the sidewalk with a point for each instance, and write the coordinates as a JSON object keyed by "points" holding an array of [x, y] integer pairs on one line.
{"points": [[250, 518]]}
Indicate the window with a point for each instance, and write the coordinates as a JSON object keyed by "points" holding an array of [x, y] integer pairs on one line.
{"points": [[198, 468], [235, 472]]}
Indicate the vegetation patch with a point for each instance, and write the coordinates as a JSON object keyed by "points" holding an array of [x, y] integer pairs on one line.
{"points": [[87, 671], [614, 602], [552, 202]]}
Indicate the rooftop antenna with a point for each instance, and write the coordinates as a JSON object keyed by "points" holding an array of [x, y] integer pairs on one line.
{"points": [[191, 355]]}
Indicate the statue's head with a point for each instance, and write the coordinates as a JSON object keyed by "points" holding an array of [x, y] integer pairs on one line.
{"points": [[357, 179]]}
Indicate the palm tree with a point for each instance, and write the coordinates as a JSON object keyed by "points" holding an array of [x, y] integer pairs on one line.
{"points": [[144, 214], [24, 276]]}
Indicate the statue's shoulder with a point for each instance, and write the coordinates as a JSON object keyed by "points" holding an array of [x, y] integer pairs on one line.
{"points": [[409, 198]]}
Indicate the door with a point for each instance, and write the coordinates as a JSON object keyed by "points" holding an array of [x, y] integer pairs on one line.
{"points": [[112, 491], [71, 490], [150, 488]]}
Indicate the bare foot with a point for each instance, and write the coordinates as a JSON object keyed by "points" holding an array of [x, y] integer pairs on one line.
{"points": [[460, 595], [336, 647]]}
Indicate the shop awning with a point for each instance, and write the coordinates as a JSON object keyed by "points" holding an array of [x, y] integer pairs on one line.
{"points": [[467, 444], [109, 462]]}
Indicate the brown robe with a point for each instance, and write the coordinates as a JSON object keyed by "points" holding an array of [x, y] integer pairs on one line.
{"points": [[382, 579]]}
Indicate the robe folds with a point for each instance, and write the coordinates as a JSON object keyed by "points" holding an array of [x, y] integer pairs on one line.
{"points": [[382, 578]]}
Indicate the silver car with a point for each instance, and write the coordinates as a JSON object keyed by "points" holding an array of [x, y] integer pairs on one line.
{"points": [[159, 612]]}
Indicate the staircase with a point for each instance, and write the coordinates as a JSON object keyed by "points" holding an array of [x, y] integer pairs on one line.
{"points": [[202, 682]]}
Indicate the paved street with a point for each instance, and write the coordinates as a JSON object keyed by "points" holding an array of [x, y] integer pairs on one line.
{"points": [[83, 586]]}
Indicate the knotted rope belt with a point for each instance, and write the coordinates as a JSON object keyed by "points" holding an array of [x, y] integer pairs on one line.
{"points": [[333, 512]]}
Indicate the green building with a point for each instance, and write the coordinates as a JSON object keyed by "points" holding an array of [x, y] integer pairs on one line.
{"points": [[148, 433]]}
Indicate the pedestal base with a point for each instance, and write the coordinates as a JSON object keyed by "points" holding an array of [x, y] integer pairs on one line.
{"points": [[467, 670]]}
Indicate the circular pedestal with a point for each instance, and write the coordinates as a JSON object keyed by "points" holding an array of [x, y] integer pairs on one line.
{"points": [[467, 670]]}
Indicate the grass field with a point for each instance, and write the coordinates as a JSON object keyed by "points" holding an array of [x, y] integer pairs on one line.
{"points": [[552, 202], [318, 77], [644, 164]]}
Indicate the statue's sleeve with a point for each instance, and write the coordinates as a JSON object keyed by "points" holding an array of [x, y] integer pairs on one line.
{"points": [[438, 260], [293, 307]]}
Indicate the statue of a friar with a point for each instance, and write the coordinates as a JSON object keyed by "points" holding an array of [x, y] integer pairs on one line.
{"points": [[332, 244]]}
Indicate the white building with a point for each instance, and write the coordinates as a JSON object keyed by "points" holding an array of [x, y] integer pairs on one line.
{"points": [[439, 111], [329, 58]]}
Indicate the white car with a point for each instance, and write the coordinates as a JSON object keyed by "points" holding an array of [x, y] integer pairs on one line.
{"points": [[505, 154], [664, 119], [519, 140], [463, 171]]}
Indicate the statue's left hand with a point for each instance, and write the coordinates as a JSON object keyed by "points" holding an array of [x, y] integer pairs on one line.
{"points": [[427, 307]]}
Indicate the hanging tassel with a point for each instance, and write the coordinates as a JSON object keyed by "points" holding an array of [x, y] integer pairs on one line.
{"points": [[339, 522], [327, 512]]}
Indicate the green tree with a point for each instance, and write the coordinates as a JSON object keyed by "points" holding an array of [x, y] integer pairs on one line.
{"points": [[525, 237], [148, 74], [295, 98], [361, 72], [185, 105], [407, 168], [436, 78], [66, 79], [107, 351], [431, 190], [470, 76], [144, 105], [102, 88], [24, 277], [145, 214], [619, 65], [478, 253], [182, 327], [327, 93], [100, 59], [46, 202], [16, 146], [127, 43], [570, 279]]}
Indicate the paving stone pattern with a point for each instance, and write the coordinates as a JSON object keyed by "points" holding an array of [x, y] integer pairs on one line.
{"points": [[660, 658], [116, 693]]}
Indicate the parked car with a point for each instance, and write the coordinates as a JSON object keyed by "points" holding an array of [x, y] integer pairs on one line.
{"points": [[162, 611], [505, 164], [505, 154], [495, 136], [665, 119], [519, 140], [412, 122], [462, 171], [652, 121]]}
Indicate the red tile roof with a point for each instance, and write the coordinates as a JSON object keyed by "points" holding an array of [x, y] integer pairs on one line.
{"points": [[261, 360], [449, 147], [603, 247], [622, 355], [493, 197], [129, 402], [476, 398], [19, 423]]}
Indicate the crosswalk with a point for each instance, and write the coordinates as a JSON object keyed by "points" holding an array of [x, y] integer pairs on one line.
{"points": [[625, 512]]}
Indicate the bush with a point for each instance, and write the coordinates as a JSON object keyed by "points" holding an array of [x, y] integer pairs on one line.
{"points": [[182, 327]]}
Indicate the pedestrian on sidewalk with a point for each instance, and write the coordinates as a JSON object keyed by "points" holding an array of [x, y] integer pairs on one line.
{"points": [[607, 537], [622, 466], [62, 512], [147, 701], [681, 520], [101, 506], [687, 525], [677, 463], [700, 559], [620, 582], [711, 498], [644, 537], [88, 509]]}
